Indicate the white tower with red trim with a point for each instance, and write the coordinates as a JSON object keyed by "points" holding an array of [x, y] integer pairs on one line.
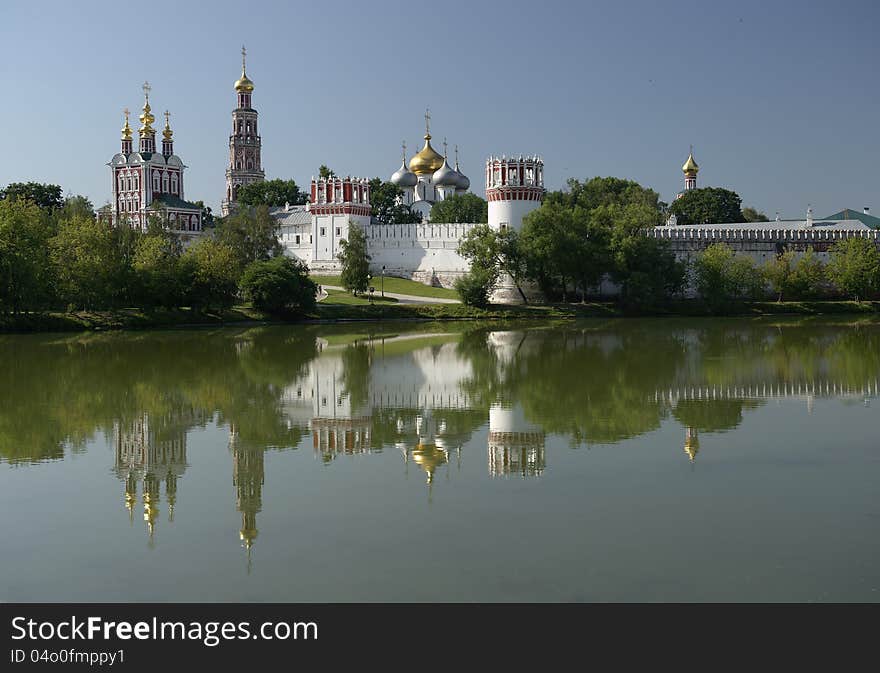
{"points": [[336, 203], [514, 188]]}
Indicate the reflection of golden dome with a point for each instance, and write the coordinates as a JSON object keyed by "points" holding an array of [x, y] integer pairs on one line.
{"points": [[429, 457], [243, 84], [691, 444], [427, 161], [690, 166]]}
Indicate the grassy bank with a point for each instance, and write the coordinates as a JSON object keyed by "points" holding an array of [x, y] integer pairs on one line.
{"points": [[396, 285], [343, 310]]}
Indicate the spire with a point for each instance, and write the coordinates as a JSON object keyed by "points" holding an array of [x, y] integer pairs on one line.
{"points": [[403, 147], [445, 148], [427, 123], [126, 129], [244, 84], [147, 117], [167, 132], [456, 157]]}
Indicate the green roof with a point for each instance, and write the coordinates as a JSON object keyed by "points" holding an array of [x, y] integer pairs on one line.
{"points": [[171, 201], [864, 218]]}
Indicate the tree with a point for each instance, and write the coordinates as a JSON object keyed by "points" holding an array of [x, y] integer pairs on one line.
{"points": [[721, 276], [779, 273], [279, 285], [465, 207], [47, 197], [86, 264], [252, 234], [855, 267], [156, 263], [475, 286], [482, 248], [73, 206], [24, 261], [707, 205], [210, 271], [207, 214], [355, 275], [808, 275], [326, 173], [386, 209], [271, 193], [751, 214]]}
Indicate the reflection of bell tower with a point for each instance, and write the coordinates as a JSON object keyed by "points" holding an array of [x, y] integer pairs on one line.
{"points": [[151, 450], [691, 443], [515, 445], [248, 477]]}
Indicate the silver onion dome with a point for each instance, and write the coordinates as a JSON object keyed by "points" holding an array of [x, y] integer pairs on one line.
{"points": [[464, 182], [403, 177], [445, 176]]}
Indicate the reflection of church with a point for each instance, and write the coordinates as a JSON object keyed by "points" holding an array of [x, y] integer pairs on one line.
{"points": [[151, 453], [248, 477], [516, 446]]}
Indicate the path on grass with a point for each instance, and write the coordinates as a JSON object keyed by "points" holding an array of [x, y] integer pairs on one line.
{"points": [[401, 298]]}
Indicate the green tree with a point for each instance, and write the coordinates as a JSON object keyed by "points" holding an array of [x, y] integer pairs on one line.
{"points": [[855, 267], [271, 193], [722, 276], [86, 263], [207, 214], [156, 264], [808, 275], [210, 271], [708, 205], [386, 209], [326, 173], [279, 285], [779, 273], [475, 286], [252, 234], [73, 206], [24, 260], [355, 276], [465, 207], [751, 214], [47, 197]]}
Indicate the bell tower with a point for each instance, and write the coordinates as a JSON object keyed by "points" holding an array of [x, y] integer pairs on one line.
{"points": [[245, 162]]}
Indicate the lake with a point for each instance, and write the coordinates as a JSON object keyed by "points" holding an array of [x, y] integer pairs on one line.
{"points": [[619, 460]]}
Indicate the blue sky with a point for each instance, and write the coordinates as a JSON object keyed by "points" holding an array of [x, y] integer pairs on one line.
{"points": [[779, 99]]}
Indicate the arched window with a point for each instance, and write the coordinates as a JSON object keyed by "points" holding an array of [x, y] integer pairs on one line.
{"points": [[174, 183], [165, 182], [155, 181], [250, 164]]}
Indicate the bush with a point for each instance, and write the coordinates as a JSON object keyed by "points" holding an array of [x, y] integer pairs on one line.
{"points": [[721, 276], [475, 287], [281, 285], [855, 267], [209, 270]]}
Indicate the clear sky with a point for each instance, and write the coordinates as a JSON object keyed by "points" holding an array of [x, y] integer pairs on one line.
{"points": [[779, 99]]}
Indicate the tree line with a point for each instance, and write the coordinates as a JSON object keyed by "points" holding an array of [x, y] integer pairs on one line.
{"points": [[596, 230], [55, 254]]}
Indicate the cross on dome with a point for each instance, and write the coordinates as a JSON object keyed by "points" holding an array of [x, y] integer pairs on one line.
{"points": [[147, 89]]}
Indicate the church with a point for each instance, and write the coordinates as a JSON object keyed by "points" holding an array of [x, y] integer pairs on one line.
{"points": [[147, 182]]}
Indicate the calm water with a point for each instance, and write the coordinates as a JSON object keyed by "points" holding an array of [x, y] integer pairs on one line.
{"points": [[624, 461]]}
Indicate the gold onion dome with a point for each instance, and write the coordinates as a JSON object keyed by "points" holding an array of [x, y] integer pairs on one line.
{"points": [[427, 161], [167, 133], [147, 120], [690, 166], [243, 84], [126, 129]]}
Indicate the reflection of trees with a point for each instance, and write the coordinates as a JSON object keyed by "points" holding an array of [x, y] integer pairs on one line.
{"points": [[56, 392], [712, 415]]}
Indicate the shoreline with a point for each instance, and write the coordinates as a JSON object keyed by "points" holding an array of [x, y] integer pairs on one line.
{"points": [[244, 316]]}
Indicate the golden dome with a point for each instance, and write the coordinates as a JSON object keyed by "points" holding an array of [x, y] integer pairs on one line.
{"points": [[243, 84], [126, 129], [427, 161], [690, 166], [147, 120], [167, 132]]}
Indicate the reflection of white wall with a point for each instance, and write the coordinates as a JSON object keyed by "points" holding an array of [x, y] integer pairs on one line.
{"points": [[510, 419]]}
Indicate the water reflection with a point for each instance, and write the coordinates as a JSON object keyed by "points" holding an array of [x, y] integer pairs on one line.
{"points": [[424, 394]]}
